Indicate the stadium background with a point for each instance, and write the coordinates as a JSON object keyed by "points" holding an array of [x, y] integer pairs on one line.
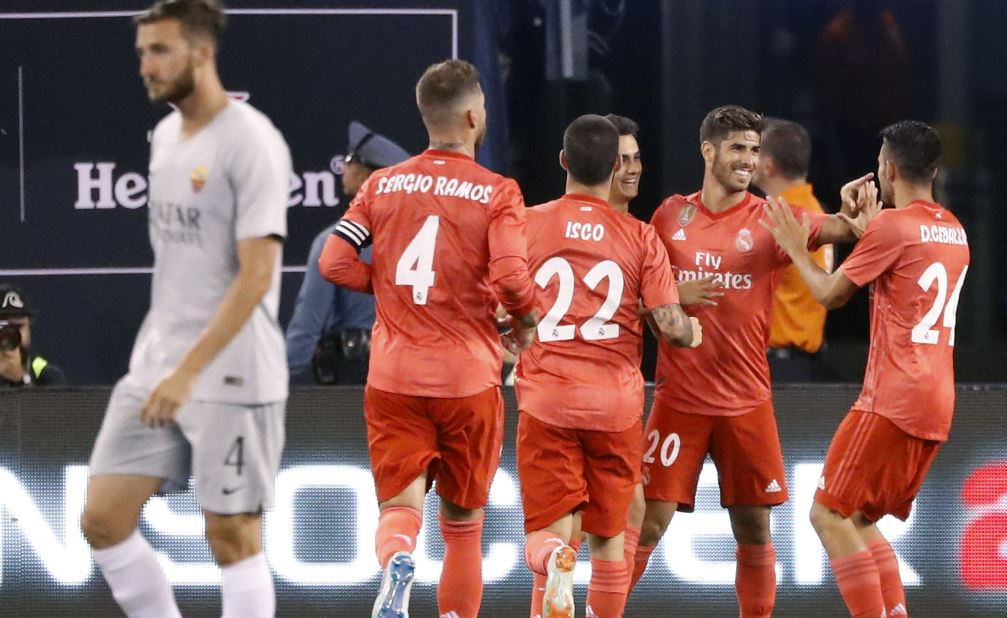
{"points": [[73, 150]]}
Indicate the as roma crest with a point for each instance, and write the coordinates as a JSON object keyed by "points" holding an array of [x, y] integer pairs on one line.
{"points": [[198, 177]]}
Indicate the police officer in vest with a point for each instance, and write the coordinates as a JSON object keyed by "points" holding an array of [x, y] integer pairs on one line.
{"points": [[328, 339], [18, 365]]}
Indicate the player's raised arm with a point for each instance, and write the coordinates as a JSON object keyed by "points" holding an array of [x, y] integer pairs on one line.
{"points": [[833, 290], [859, 207]]}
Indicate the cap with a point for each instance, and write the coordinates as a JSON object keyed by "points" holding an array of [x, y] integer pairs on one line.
{"points": [[372, 149], [12, 301]]}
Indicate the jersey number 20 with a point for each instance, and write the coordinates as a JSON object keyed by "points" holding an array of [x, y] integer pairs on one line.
{"points": [[416, 266], [924, 332], [596, 328]]}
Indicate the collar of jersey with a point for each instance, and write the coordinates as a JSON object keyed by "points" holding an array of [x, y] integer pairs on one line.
{"points": [[697, 199], [450, 154], [579, 197], [925, 204]]}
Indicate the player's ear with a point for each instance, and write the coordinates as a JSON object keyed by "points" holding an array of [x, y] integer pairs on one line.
{"points": [[470, 118], [767, 165], [618, 165], [709, 151], [562, 161], [892, 170]]}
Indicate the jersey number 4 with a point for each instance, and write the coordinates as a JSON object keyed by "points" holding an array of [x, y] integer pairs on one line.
{"points": [[596, 328], [924, 332], [416, 266]]}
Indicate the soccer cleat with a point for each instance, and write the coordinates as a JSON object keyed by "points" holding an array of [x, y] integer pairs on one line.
{"points": [[393, 598], [558, 599]]}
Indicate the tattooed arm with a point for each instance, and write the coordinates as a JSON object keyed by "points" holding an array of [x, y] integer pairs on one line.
{"points": [[676, 327]]}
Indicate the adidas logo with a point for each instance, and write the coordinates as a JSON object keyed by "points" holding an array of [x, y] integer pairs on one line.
{"points": [[590, 613], [898, 610], [451, 614], [679, 235], [773, 487]]}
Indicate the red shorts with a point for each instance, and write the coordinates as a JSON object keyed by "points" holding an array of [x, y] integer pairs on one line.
{"points": [[874, 467], [745, 449], [457, 442], [567, 470]]}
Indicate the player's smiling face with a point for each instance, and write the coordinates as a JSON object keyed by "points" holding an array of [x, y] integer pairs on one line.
{"points": [[166, 60], [626, 183], [736, 159]]}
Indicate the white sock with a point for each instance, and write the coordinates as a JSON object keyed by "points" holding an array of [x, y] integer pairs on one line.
{"points": [[247, 589], [138, 583]]}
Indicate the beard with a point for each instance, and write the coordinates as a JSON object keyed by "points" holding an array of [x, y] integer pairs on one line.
{"points": [[724, 173], [177, 89]]}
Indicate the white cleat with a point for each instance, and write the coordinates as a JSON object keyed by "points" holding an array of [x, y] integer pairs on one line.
{"points": [[393, 598], [558, 599]]}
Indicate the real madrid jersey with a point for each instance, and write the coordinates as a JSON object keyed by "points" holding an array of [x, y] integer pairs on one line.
{"points": [[729, 374], [916, 259], [593, 267], [226, 183]]}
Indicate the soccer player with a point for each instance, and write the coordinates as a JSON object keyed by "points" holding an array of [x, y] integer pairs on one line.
{"points": [[716, 399], [449, 243], [915, 257], [207, 383], [626, 182], [579, 387]]}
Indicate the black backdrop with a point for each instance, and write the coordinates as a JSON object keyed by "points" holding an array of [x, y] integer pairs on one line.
{"points": [[74, 122], [319, 536]]}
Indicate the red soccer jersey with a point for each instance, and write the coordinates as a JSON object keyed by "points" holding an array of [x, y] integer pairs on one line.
{"points": [[728, 374], [916, 258], [594, 265], [449, 243]]}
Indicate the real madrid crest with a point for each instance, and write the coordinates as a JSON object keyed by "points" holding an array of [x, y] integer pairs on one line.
{"points": [[686, 215], [744, 242]]}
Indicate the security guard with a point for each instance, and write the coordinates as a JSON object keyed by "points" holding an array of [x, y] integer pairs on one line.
{"points": [[329, 336], [18, 366]]}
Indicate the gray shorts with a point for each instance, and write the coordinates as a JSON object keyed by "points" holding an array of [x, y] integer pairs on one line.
{"points": [[232, 451]]}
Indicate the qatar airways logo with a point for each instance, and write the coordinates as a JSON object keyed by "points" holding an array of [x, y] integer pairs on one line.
{"points": [[101, 186], [708, 264]]}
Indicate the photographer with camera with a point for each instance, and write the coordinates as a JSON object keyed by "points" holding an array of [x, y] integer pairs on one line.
{"points": [[18, 366]]}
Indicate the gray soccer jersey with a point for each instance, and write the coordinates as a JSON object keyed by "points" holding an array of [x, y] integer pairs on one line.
{"points": [[226, 183]]}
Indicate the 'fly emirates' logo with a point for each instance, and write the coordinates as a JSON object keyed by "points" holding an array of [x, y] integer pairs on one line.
{"points": [[708, 264]]}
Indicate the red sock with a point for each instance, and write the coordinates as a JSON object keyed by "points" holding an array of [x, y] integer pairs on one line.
{"points": [[755, 580], [891, 581], [398, 527], [859, 583], [538, 546], [537, 592], [606, 593], [460, 592], [640, 564], [629, 552]]}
